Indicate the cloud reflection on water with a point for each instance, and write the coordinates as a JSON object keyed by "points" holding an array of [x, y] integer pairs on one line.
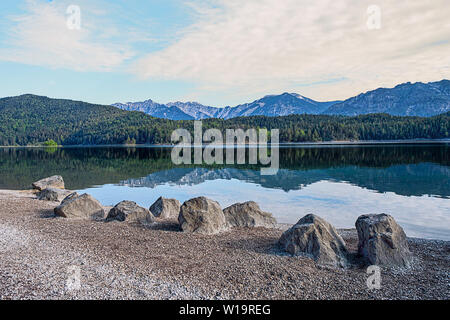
{"points": [[338, 202]]}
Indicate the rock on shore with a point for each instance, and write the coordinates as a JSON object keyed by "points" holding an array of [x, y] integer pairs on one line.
{"points": [[202, 215], [80, 207], [166, 208], [53, 194], [248, 214], [71, 196], [129, 211], [50, 182], [313, 236], [382, 241], [126, 261]]}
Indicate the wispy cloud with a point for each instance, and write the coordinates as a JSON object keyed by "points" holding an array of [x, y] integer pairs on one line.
{"points": [[41, 37], [232, 50], [260, 46]]}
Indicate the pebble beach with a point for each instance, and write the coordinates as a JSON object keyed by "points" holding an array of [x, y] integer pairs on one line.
{"points": [[40, 252]]}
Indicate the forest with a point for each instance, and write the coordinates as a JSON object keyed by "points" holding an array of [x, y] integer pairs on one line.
{"points": [[35, 120]]}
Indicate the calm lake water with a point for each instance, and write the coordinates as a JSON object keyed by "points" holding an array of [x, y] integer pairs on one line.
{"points": [[339, 183]]}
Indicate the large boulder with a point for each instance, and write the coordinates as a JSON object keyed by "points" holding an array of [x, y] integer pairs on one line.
{"points": [[53, 194], [202, 215], [314, 237], [50, 182], [248, 214], [129, 211], [382, 241], [166, 208], [80, 207]]}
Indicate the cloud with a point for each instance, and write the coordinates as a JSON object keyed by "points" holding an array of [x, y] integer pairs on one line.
{"points": [[41, 37], [260, 46]]}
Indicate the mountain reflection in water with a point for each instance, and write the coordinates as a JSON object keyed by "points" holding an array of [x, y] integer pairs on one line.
{"points": [[411, 182]]}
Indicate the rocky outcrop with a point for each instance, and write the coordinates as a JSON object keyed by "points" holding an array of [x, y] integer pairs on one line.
{"points": [[166, 208], [314, 237], [202, 215], [248, 214], [129, 211], [50, 182], [80, 207], [53, 194], [382, 241]]}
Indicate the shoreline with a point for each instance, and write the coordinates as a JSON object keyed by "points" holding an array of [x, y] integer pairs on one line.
{"points": [[283, 226], [320, 143], [126, 261]]}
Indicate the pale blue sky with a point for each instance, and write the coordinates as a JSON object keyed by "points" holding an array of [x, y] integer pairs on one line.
{"points": [[160, 20], [218, 52]]}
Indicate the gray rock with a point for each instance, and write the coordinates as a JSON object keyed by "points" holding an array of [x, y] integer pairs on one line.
{"points": [[81, 207], [53, 194], [202, 215], [314, 237], [166, 208], [70, 196], [248, 214], [50, 182], [129, 211], [382, 241]]}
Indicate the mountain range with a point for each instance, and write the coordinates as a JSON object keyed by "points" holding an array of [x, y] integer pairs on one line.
{"points": [[33, 120], [407, 99]]}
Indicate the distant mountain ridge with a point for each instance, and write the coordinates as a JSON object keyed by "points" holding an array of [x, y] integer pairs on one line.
{"points": [[276, 105], [407, 99], [272, 105], [155, 109], [195, 110]]}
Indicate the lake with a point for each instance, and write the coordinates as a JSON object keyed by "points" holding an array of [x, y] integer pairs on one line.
{"points": [[339, 182]]}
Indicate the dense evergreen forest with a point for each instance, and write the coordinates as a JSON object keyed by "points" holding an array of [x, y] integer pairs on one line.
{"points": [[32, 120]]}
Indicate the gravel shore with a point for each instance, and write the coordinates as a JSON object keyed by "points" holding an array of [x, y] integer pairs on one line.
{"points": [[40, 253]]}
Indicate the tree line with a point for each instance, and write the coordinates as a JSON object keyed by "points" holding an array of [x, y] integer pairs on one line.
{"points": [[32, 120]]}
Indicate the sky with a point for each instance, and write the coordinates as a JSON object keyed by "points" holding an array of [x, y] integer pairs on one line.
{"points": [[219, 52]]}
